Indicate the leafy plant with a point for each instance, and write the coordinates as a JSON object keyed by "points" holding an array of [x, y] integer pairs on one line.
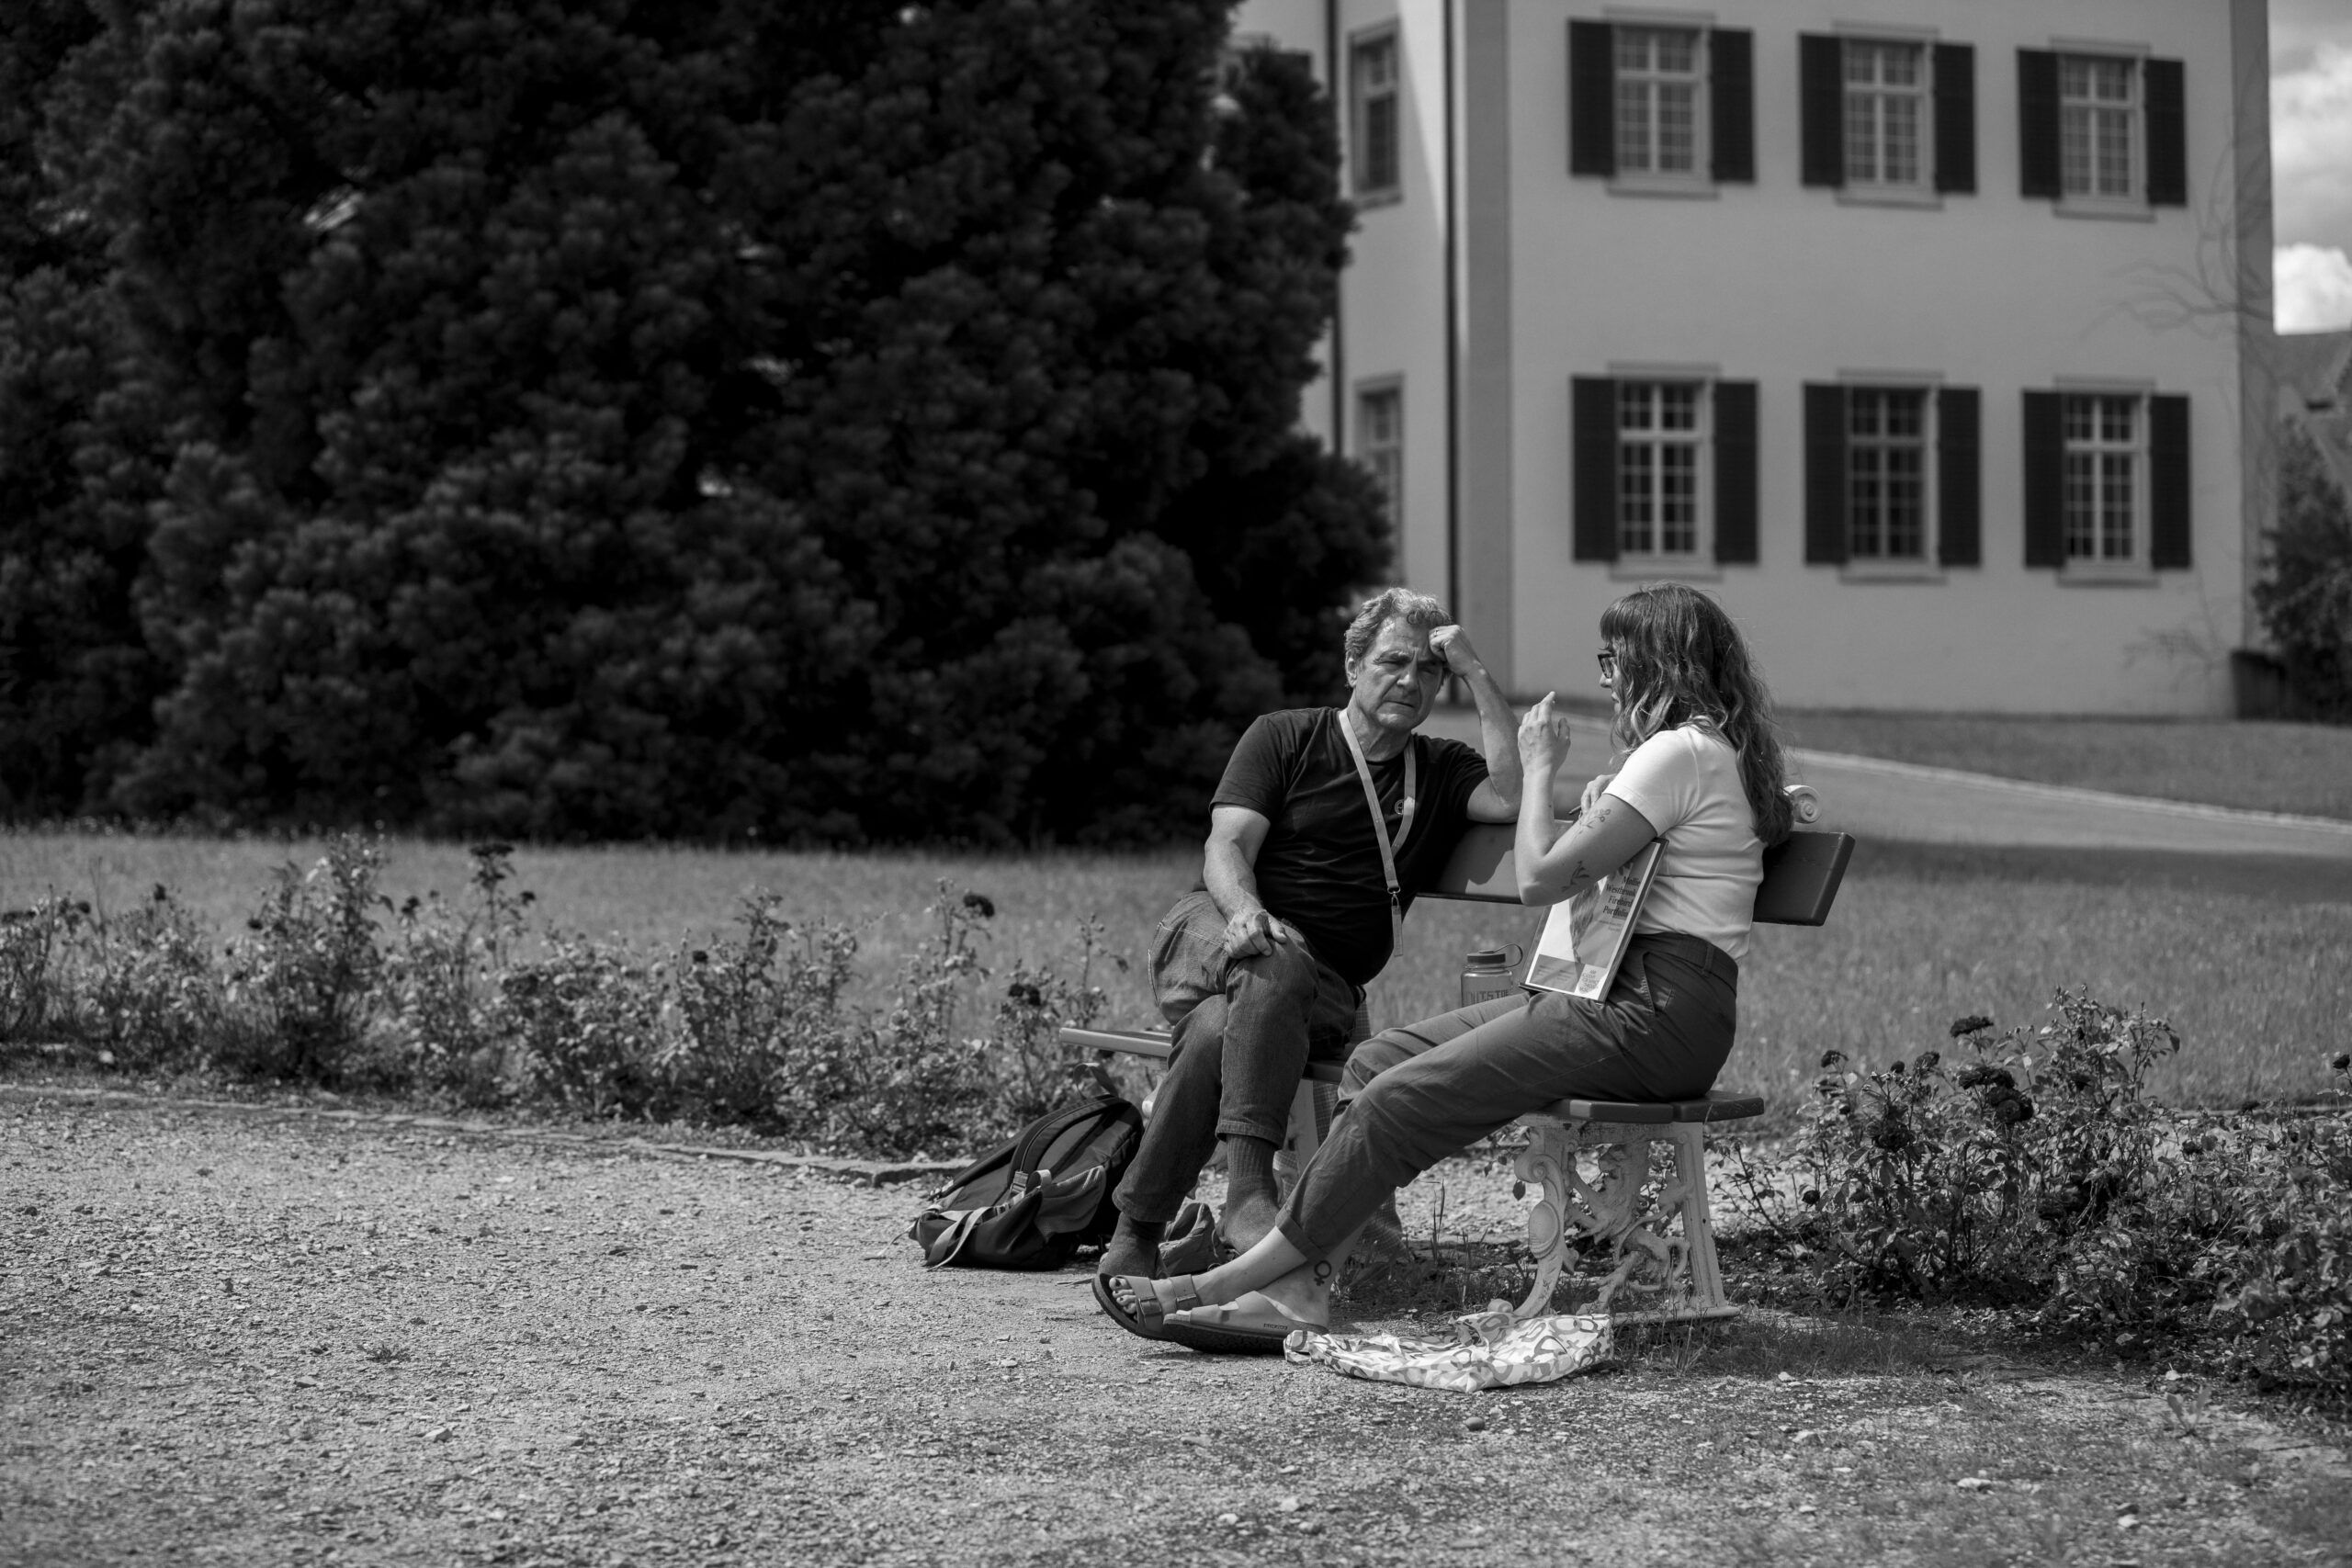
{"points": [[304, 982], [30, 941], [2304, 595], [152, 995], [440, 981]]}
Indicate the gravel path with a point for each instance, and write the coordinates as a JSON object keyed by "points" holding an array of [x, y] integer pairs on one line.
{"points": [[259, 1338]]}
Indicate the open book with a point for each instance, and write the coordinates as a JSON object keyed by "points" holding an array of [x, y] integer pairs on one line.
{"points": [[1583, 939]]}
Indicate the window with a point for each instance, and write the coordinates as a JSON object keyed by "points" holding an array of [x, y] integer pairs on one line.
{"points": [[1380, 446], [1887, 120], [2102, 133], [1659, 98], [1658, 438], [2097, 126], [1661, 109], [1887, 473], [2107, 483], [1372, 70], [2104, 448], [1891, 479], [1664, 471], [1886, 111]]}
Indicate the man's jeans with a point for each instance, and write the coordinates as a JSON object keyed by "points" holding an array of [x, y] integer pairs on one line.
{"points": [[1244, 1032]]}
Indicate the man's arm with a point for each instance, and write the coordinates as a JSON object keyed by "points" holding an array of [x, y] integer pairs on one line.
{"points": [[1497, 800], [1230, 869]]}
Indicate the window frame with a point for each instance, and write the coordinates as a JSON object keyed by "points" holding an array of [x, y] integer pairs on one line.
{"points": [[2133, 199], [1927, 563], [1700, 176], [1700, 561], [1386, 460], [2137, 565], [1921, 186], [1363, 46]]}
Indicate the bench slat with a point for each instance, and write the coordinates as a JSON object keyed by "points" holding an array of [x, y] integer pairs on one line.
{"points": [[1802, 873], [1721, 1105]]}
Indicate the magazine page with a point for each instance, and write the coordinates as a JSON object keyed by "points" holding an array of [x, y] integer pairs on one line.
{"points": [[1584, 938]]}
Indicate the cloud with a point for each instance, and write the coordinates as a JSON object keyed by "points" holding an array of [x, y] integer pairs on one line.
{"points": [[2311, 148], [2313, 289]]}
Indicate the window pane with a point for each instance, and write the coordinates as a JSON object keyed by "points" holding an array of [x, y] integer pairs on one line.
{"points": [[1906, 503], [1633, 151], [1633, 405], [1678, 499], [1677, 124], [1678, 50], [1677, 407], [1901, 154], [1636, 490]]}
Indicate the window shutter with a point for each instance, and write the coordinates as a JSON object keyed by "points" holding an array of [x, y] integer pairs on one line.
{"points": [[2168, 483], [1731, 104], [1955, 88], [1592, 98], [2038, 173], [1959, 527], [1736, 472], [1593, 413], [2167, 133], [1825, 476], [2045, 480], [1821, 102]]}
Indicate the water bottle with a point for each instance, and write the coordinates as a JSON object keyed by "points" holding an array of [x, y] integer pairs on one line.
{"points": [[1491, 972]]}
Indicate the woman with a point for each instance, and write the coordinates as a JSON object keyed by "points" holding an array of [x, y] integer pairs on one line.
{"points": [[1703, 770]]}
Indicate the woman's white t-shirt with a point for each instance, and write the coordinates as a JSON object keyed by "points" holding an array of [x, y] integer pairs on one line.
{"points": [[1686, 781]]}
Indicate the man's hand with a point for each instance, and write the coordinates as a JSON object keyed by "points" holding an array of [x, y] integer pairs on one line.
{"points": [[1452, 644], [1543, 739], [1248, 935]]}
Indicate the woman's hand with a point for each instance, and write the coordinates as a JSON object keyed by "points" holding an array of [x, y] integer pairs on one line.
{"points": [[1543, 739], [1593, 791]]}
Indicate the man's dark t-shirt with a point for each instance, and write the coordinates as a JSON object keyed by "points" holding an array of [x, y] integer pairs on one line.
{"points": [[1319, 867]]}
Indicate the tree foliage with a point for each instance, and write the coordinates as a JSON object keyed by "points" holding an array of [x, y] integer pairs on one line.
{"points": [[592, 417], [2305, 596]]}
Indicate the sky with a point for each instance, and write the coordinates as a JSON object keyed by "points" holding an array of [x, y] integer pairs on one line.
{"points": [[2311, 162]]}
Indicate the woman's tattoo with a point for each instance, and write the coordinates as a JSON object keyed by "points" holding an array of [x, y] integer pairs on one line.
{"points": [[1323, 1271]]}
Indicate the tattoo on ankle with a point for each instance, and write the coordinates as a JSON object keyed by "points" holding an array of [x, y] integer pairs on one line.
{"points": [[1323, 1271]]}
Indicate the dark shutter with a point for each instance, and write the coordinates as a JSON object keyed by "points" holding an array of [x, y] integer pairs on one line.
{"points": [[1736, 472], [1731, 104], [1593, 413], [2038, 173], [1959, 527], [1592, 98], [2168, 483], [1821, 104], [1955, 86], [2168, 134], [2045, 480], [1825, 476]]}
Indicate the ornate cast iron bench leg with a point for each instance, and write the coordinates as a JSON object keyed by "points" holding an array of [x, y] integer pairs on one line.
{"points": [[1609, 1209]]}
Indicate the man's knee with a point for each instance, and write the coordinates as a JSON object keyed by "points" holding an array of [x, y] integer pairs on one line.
{"points": [[1286, 971]]}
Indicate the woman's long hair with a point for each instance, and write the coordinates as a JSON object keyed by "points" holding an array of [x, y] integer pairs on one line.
{"points": [[1681, 660]]}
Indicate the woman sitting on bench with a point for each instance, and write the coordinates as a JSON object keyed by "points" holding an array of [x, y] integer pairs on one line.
{"points": [[1704, 773]]}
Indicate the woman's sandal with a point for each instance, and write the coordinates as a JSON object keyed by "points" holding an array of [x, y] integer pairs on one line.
{"points": [[1153, 1300], [1250, 1325]]}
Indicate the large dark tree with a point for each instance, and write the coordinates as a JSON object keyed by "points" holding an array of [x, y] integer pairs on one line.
{"points": [[713, 417]]}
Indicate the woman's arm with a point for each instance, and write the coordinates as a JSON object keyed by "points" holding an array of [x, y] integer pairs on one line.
{"points": [[1552, 864]]}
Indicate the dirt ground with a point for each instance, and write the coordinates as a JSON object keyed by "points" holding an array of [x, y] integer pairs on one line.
{"points": [[242, 1337]]}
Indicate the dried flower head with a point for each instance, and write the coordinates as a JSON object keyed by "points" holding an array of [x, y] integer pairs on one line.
{"points": [[1969, 1025], [1831, 1058], [980, 904]]}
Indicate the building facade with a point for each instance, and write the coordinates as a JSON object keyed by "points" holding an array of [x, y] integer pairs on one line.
{"points": [[1932, 335]]}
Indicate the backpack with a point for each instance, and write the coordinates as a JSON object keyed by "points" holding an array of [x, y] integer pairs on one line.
{"points": [[1033, 1201]]}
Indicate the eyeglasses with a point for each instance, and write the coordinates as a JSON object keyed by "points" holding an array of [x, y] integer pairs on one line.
{"points": [[1609, 664]]}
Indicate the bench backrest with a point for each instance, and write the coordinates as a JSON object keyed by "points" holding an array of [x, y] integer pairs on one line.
{"points": [[1801, 873]]}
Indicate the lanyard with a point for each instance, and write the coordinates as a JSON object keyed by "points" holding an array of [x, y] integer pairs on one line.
{"points": [[1380, 823]]}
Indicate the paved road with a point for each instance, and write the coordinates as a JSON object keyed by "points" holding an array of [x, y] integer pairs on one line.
{"points": [[1881, 800]]}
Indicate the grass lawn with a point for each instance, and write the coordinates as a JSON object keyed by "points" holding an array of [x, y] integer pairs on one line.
{"points": [[2260, 988], [2304, 769]]}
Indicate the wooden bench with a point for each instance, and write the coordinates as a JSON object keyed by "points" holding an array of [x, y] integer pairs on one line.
{"points": [[1664, 1240]]}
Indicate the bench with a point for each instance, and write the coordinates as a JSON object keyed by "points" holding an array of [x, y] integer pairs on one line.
{"points": [[1664, 1240]]}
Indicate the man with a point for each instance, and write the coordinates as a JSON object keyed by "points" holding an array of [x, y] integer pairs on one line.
{"points": [[1261, 968]]}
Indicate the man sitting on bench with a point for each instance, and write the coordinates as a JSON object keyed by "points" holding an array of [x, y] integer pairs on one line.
{"points": [[1261, 968]]}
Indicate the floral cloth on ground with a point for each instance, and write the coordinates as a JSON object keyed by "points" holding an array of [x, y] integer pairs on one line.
{"points": [[1488, 1349]]}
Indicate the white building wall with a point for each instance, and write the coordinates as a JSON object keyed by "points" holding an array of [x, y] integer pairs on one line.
{"points": [[1782, 284]]}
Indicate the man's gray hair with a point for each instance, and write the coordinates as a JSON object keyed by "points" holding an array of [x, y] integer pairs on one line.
{"points": [[1416, 610]]}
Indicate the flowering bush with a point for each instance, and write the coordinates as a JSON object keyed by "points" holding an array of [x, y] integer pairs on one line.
{"points": [[2031, 1167]]}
